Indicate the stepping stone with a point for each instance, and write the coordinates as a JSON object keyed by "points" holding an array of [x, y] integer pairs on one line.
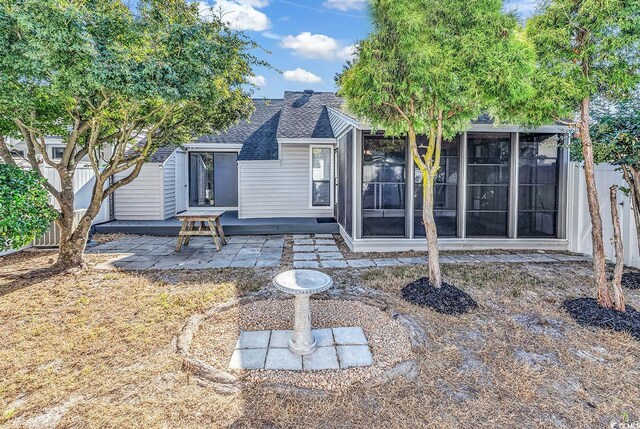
{"points": [[280, 339], [352, 356], [306, 264], [301, 236], [283, 359], [216, 264], [412, 261], [322, 358], [333, 264], [330, 255], [303, 241], [349, 335], [303, 248], [360, 263], [305, 256], [323, 235], [512, 258], [325, 249], [268, 263], [324, 337], [253, 340], [387, 262], [463, 258], [248, 359], [325, 242]]}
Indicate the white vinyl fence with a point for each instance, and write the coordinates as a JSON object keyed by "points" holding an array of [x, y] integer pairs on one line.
{"points": [[579, 225], [83, 182]]}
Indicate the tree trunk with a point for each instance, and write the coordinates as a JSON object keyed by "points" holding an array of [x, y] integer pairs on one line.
{"points": [[435, 277], [616, 282], [634, 189], [599, 261]]}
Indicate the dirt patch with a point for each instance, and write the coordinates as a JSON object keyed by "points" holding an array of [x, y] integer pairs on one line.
{"points": [[446, 299], [105, 238], [588, 312]]}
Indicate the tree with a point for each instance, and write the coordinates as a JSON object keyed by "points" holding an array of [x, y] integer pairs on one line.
{"points": [[25, 212], [584, 48], [430, 67], [115, 85], [616, 138]]}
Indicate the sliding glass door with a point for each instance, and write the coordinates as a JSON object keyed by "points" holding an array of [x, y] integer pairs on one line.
{"points": [[213, 179]]}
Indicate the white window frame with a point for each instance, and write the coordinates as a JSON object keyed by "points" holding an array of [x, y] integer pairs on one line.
{"points": [[331, 173]]}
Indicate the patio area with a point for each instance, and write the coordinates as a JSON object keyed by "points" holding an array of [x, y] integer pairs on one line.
{"points": [[159, 253]]}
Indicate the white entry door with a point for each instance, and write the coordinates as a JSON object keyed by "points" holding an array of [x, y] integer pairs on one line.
{"points": [[182, 193]]}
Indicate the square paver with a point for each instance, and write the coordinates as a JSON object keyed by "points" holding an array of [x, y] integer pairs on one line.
{"points": [[306, 264], [280, 339], [303, 241], [324, 337], [387, 262], [305, 256], [351, 356], [216, 264], [243, 263], [360, 263], [333, 264], [324, 241], [323, 235], [301, 236], [330, 255], [322, 358], [253, 340], [327, 248], [303, 248], [349, 335], [283, 359], [412, 261], [268, 263], [248, 359]]}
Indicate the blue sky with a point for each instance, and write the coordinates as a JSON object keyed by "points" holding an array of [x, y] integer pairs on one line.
{"points": [[308, 40]]}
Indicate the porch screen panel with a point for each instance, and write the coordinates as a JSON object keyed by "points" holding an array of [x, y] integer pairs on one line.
{"points": [[200, 179], [445, 191], [340, 196], [347, 201], [538, 185], [488, 174], [383, 187]]}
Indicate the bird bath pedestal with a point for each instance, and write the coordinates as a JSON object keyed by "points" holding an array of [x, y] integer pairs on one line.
{"points": [[302, 284]]}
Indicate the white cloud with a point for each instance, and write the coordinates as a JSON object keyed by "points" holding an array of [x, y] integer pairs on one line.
{"points": [[270, 35], [345, 5], [316, 46], [240, 14], [258, 81], [300, 75]]}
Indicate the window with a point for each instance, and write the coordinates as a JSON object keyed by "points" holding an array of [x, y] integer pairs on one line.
{"points": [[383, 186], [213, 179], [321, 176], [57, 152], [488, 175], [17, 153], [445, 191], [538, 185]]}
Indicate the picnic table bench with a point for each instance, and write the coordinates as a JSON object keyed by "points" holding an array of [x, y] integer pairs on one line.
{"points": [[200, 223]]}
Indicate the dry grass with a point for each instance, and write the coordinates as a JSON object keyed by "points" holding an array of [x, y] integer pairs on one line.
{"points": [[95, 347]]}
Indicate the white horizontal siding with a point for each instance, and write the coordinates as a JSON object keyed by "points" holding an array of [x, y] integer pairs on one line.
{"points": [[278, 188], [142, 198], [169, 179]]}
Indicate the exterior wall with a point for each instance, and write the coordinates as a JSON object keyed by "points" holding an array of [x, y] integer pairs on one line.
{"points": [[169, 186], [278, 188], [141, 199], [579, 228]]}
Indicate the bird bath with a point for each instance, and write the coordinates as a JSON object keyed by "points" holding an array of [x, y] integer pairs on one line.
{"points": [[302, 284]]}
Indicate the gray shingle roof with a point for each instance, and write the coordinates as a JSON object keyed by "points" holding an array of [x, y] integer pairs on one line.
{"points": [[304, 115], [298, 115]]}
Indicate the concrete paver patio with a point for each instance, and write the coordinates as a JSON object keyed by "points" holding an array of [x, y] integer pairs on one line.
{"points": [[142, 253]]}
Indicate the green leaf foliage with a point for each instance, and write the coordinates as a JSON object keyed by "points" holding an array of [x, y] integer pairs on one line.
{"points": [[25, 212], [456, 56], [584, 48], [163, 69]]}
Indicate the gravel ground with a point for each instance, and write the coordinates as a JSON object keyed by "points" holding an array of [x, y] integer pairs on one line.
{"points": [[215, 340]]}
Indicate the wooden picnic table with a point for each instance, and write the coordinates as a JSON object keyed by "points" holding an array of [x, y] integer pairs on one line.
{"points": [[200, 223]]}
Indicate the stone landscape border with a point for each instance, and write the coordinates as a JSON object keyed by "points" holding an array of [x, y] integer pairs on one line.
{"points": [[224, 382]]}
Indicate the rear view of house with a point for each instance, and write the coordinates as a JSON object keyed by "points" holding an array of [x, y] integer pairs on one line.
{"points": [[303, 157]]}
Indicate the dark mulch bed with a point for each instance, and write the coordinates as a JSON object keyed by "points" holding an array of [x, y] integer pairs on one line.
{"points": [[447, 299], [631, 280], [587, 312]]}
